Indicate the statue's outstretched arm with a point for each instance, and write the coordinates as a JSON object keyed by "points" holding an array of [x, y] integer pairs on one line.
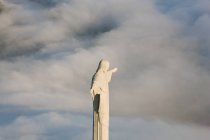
{"points": [[109, 74], [113, 70]]}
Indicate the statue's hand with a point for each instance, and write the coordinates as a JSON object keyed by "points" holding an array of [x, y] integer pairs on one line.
{"points": [[114, 70], [92, 93], [91, 90]]}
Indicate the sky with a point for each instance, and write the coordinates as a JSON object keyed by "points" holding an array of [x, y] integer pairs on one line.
{"points": [[50, 49]]}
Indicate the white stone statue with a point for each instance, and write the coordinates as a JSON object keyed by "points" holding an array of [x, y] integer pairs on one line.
{"points": [[100, 95]]}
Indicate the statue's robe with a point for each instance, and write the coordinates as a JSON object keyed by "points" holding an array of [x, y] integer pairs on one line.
{"points": [[101, 104]]}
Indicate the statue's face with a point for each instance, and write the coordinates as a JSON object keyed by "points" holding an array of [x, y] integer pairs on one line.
{"points": [[104, 65]]}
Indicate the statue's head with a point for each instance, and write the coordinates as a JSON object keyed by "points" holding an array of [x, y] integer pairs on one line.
{"points": [[103, 65]]}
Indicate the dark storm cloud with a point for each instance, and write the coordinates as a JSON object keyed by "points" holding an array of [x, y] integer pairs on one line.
{"points": [[47, 3], [1, 6]]}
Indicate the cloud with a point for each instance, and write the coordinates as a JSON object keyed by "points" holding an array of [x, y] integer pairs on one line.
{"points": [[46, 126], [48, 55], [1, 6], [55, 125]]}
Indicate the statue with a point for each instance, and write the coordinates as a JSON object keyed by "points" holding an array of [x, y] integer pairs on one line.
{"points": [[100, 95]]}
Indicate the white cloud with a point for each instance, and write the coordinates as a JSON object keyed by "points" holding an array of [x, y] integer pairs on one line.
{"points": [[45, 126], [54, 125]]}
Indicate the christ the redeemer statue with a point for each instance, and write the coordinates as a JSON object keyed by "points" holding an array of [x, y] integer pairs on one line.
{"points": [[100, 95]]}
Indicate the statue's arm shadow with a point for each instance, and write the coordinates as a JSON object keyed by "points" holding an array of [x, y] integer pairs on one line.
{"points": [[96, 103]]}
